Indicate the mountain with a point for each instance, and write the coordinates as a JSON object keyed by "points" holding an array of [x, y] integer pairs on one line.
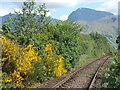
{"points": [[54, 20], [105, 23], [86, 14], [4, 18], [107, 26]]}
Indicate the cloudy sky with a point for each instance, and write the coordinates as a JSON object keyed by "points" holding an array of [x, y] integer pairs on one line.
{"points": [[60, 9]]}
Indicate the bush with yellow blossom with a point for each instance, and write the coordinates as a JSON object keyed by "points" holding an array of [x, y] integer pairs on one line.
{"points": [[54, 63], [17, 62], [59, 67], [21, 65], [51, 64]]}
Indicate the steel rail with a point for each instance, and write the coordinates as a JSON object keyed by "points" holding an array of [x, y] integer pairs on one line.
{"points": [[95, 75], [74, 73]]}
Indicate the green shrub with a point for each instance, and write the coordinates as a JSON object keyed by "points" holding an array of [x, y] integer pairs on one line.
{"points": [[112, 76]]}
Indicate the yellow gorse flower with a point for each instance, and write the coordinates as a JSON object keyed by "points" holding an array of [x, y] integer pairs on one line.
{"points": [[54, 62], [103, 53], [18, 59], [18, 62], [59, 67], [48, 47]]}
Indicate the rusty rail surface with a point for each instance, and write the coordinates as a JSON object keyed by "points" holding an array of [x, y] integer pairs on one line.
{"points": [[78, 71], [95, 75]]}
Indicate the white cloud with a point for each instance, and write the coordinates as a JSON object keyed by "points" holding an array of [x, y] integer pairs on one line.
{"points": [[3, 12], [7, 9], [64, 17], [92, 1], [52, 5], [111, 6], [13, 0], [59, 3], [48, 14]]}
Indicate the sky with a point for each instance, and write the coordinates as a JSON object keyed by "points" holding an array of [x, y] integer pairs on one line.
{"points": [[60, 9]]}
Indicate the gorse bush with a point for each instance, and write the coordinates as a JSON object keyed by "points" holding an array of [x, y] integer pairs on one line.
{"points": [[17, 62], [51, 65], [56, 60], [59, 67]]}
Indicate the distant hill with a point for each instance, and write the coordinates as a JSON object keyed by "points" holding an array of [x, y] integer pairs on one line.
{"points": [[4, 18], [105, 23], [53, 20], [86, 14], [107, 26]]}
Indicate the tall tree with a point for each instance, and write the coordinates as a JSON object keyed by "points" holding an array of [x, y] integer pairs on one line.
{"points": [[26, 24]]}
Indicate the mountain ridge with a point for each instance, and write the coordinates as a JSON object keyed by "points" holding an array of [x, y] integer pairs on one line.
{"points": [[104, 26], [102, 22], [4, 18], [87, 14]]}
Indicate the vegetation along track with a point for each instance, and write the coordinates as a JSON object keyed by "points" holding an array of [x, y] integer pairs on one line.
{"points": [[83, 77]]}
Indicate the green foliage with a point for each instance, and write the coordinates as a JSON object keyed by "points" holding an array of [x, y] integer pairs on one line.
{"points": [[51, 65], [101, 43], [17, 62], [92, 46], [26, 26], [112, 76], [67, 34], [72, 44]]}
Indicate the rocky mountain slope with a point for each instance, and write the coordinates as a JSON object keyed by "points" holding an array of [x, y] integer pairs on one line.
{"points": [[104, 23], [86, 14]]}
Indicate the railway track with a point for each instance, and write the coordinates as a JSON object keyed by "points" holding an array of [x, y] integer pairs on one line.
{"points": [[83, 77]]}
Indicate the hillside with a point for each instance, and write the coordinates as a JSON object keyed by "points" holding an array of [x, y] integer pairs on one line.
{"points": [[105, 26], [86, 14], [104, 23], [4, 18]]}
